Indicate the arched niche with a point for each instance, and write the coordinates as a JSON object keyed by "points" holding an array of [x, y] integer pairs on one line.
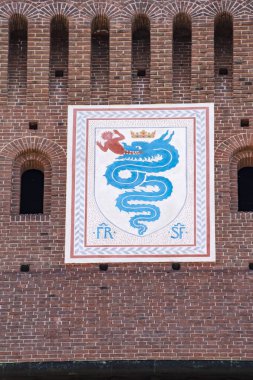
{"points": [[100, 59], [182, 53], [17, 59], [59, 56], [223, 55], [141, 59]]}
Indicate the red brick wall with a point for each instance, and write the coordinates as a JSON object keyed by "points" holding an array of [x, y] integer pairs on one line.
{"points": [[132, 311]]}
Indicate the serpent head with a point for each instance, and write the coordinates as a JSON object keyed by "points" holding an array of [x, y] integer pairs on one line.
{"points": [[147, 150]]}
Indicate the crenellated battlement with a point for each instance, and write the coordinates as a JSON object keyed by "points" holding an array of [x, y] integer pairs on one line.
{"points": [[107, 53]]}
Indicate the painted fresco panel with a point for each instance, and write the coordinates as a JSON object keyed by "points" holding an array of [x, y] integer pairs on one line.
{"points": [[140, 184]]}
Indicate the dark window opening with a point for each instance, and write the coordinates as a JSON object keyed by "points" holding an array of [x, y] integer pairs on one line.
{"points": [[103, 267], [176, 266], [223, 71], [59, 73], [33, 125], [244, 123], [32, 192], [141, 73], [24, 268], [245, 189]]}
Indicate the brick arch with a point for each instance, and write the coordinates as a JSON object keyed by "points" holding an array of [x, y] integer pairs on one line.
{"points": [[232, 154], [16, 147], [248, 7], [39, 153], [236, 8], [152, 9], [100, 22], [190, 8], [91, 9], [31, 160], [234, 144], [9, 8], [243, 158], [140, 21], [223, 18], [52, 8]]}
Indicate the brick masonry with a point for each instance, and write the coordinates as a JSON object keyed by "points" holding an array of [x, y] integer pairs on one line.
{"points": [[132, 311]]}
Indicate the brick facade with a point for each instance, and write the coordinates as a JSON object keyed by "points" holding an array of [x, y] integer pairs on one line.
{"points": [[132, 311]]}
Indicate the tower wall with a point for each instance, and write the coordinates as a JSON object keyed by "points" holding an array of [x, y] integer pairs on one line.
{"points": [[132, 311]]}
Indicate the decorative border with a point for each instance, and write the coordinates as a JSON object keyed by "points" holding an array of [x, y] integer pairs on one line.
{"points": [[204, 249]]}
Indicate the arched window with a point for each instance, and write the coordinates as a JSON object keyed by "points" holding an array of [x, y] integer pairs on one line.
{"points": [[59, 46], [182, 43], [17, 59], [32, 192], [223, 55], [31, 184], [141, 59], [241, 180], [245, 189], [100, 59]]}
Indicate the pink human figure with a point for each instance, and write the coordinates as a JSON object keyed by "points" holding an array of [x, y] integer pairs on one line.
{"points": [[112, 143]]}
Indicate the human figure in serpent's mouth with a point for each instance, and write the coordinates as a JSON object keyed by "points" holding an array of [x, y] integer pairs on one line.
{"points": [[112, 143]]}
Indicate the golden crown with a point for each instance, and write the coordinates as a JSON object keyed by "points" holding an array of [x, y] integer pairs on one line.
{"points": [[143, 134]]}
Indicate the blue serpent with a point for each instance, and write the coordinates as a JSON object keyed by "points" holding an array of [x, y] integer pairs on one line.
{"points": [[140, 160]]}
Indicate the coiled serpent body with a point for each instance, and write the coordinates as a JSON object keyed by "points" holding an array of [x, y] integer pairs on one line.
{"points": [[134, 172]]}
